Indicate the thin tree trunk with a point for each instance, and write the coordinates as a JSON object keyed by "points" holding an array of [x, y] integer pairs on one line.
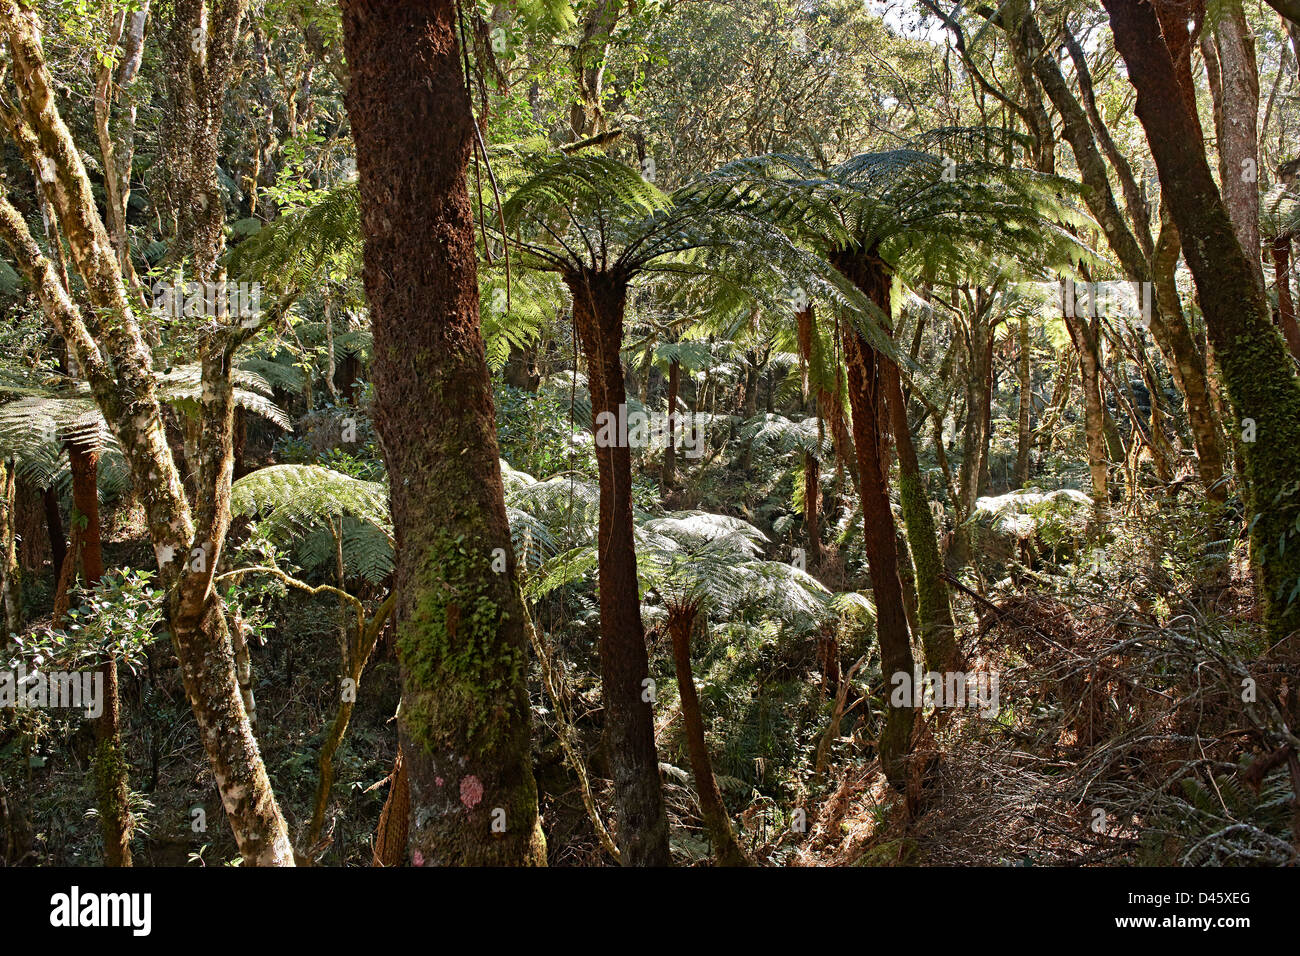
{"points": [[812, 506], [934, 608], [1286, 317], [975, 433], [464, 724], [11, 580], [359, 648], [54, 529], [1084, 337], [1060, 398], [1234, 88], [726, 850], [866, 398], [670, 453], [1024, 434], [111, 783]]}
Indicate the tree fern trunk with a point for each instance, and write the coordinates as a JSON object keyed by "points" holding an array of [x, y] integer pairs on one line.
{"points": [[111, 782], [866, 399], [598, 303]]}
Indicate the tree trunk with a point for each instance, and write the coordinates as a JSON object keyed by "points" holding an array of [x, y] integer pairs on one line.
{"points": [[726, 850], [1024, 434], [11, 579], [464, 724], [1084, 335], [975, 434], [1286, 318], [670, 452], [1229, 52], [866, 400], [1251, 354], [1060, 399], [118, 150], [358, 650], [598, 303], [111, 768]]}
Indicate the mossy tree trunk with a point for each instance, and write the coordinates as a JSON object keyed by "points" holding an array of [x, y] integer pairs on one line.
{"points": [[934, 606], [464, 724], [599, 300], [978, 340], [812, 507], [1286, 318], [11, 580], [1249, 351], [1084, 334]]}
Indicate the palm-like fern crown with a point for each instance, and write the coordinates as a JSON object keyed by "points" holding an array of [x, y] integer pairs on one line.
{"points": [[290, 253], [925, 214], [44, 416], [591, 214]]}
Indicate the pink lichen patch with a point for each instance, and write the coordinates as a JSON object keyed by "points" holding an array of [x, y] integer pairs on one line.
{"points": [[471, 791]]}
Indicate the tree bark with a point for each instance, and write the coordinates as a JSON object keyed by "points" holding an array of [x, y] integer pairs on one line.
{"points": [[934, 606], [1286, 318], [1024, 433], [1083, 333], [198, 39], [11, 580], [1229, 52], [464, 724]]}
